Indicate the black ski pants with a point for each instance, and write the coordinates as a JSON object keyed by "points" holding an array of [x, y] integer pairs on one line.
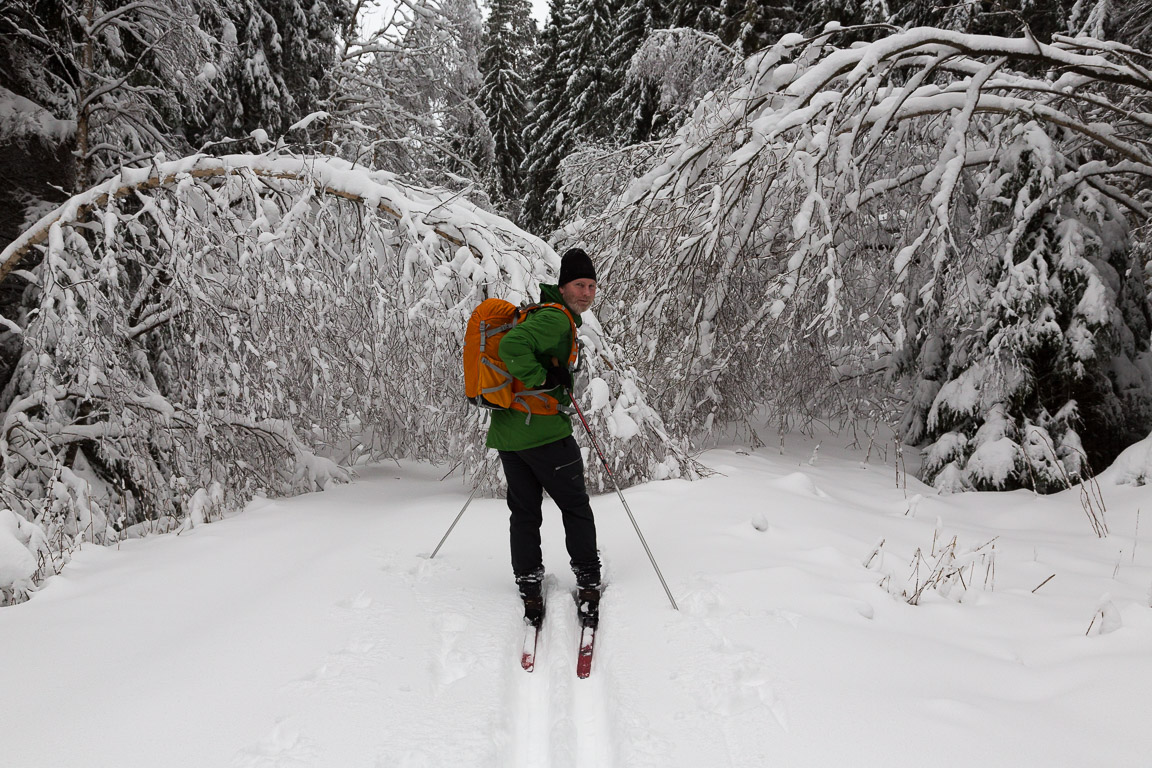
{"points": [[557, 468]]}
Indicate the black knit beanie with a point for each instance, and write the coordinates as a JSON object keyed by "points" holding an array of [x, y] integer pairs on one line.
{"points": [[575, 264]]}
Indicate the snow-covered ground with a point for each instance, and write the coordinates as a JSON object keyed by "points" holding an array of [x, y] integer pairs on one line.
{"points": [[315, 631]]}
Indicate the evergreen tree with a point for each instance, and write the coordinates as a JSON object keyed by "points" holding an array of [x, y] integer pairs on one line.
{"points": [[699, 15], [506, 60], [1052, 365], [572, 102], [814, 14], [635, 106], [587, 40], [752, 25], [1042, 18], [546, 147], [275, 59]]}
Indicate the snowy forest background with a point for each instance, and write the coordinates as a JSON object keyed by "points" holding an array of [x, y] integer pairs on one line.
{"points": [[242, 238]]}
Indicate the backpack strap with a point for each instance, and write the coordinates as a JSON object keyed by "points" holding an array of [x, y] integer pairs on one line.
{"points": [[571, 325], [485, 332], [505, 377]]}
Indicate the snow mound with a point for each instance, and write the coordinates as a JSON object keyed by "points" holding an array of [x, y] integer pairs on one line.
{"points": [[1132, 466], [1107, 618], [799, 483]]}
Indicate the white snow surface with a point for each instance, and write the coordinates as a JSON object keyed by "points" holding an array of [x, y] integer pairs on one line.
{"points": [[316, 631]]}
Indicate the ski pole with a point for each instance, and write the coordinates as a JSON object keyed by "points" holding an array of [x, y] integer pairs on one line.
{"points": [[623, 501], [471, 496]]}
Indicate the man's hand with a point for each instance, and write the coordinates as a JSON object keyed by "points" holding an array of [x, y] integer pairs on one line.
{"points": [[557, 376]]}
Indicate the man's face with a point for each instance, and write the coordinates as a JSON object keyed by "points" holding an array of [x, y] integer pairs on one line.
{"points": [[579, 294]]}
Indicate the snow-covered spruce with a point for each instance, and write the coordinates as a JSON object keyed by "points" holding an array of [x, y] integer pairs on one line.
{"points": [[258, 321], [931, 229]]}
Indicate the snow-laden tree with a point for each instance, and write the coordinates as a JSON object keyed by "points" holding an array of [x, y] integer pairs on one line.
{"points": [[86, 88], [272, 64], [683, 65], [908, 226], [215, 327], [132, 79], [546, 147], [1129, 21], [452, 102], [1042, 18], [129, 75], [505, 63], [586, 44], [402, 96], [666, 78], [573, 107], [635, 106], [666, 73]]}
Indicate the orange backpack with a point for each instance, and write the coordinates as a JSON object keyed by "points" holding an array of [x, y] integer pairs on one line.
{"points": [[487, 382]]}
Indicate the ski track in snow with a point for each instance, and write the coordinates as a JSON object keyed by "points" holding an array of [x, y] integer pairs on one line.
{"points": [[555, 719], [527, 724], [544, 719]]}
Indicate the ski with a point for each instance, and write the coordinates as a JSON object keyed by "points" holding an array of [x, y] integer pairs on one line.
{"points": [[528, 653], [588, 612], [584, 660]]}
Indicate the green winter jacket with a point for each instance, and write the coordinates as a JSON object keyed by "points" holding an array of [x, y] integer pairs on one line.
{"points": [[528, 350]]}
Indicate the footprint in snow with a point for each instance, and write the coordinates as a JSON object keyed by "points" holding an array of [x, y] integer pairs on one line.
{"points": [[283, 747], [412, 759], [455, 660], [358, 603], [359, 647], [747, 686]]}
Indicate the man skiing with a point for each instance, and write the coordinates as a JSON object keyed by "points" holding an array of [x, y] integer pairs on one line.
{"points": [[539, 453]]}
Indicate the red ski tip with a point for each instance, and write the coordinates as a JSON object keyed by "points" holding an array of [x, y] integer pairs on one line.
{"points": [[584, 660], [528, 655]]}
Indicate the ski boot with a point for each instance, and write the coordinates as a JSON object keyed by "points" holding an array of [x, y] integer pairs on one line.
{"points": [[588, 606], [531, 591], [534, 610]]}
